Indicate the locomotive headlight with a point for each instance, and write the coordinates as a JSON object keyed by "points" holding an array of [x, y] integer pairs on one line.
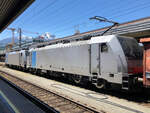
{"points": [[147, 75]]}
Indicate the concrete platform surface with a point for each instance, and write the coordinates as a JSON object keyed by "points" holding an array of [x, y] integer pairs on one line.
{"points": [[13, 102], [2, 63], [99, 101]]}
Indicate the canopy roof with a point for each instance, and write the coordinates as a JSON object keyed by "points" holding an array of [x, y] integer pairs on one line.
{"points": [[10, 10]]}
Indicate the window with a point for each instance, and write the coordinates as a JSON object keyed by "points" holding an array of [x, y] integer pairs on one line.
{"points": [[130, 47], [104, 47]]}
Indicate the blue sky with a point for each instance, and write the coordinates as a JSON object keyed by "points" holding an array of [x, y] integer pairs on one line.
{"points": [[63, 17]]}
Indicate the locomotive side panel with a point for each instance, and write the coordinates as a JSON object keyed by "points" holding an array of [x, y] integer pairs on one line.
{"points": [[109, 65], [23, 58], [70, 59], [28, 60], [112, 62], [13, 58], [95, 59]]}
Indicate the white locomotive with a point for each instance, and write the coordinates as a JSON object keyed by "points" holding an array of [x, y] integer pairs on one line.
{"points": [[102, 60]]}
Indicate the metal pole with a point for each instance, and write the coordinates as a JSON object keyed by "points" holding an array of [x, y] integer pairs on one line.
{"points": [[13, 30], [20, 35]]}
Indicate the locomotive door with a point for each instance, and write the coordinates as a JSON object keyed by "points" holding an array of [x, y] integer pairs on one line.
{"points": [[95, 59], [30, 59], [107, 62], [20, 59]]}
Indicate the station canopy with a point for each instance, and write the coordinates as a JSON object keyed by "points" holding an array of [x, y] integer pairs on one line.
{"points": [[10, 10]]}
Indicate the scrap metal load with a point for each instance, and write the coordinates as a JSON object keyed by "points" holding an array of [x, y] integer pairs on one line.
{"points": [[104, 61]]}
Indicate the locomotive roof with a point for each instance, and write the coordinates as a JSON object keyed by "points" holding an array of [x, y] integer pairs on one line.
{"points": [[98, 39], [14, 52], [102, 39]]}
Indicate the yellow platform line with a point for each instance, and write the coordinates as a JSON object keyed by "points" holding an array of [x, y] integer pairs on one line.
{"points": [[9, 102]]}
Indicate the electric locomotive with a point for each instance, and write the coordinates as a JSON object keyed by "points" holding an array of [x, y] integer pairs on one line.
{"points": [[104, 61]]}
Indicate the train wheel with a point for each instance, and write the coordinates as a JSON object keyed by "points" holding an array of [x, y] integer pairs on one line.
{"points": [[101, 84], [77, 79]]}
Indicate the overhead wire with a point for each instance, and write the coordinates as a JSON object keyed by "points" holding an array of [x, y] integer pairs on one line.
{"points": [[30, 32], [122, 14], [111, 17], [22, 18], [54, 14], [44, 8], [132, 10], [41, 11], [73, 20], [51, 12], [79, 17]]}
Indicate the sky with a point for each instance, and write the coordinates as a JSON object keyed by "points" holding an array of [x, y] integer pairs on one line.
{"points": [[62, 17]]}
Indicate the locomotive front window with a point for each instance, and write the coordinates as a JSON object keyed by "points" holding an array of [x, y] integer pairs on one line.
{"points": [[130, 47]]}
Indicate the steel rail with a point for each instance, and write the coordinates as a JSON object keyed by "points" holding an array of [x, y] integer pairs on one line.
{"points": [[33, 99], [40, 103]]}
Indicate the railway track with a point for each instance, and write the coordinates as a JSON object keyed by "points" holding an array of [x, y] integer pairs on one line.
{"points": [[46, 100]]}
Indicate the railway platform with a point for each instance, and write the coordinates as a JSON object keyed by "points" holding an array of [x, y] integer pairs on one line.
{"points": [[11, 101], [99, 101]]}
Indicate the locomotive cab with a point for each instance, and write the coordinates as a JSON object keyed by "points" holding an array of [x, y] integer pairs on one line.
{"points": [[120, 61], [133, 54], [134, 57]]}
